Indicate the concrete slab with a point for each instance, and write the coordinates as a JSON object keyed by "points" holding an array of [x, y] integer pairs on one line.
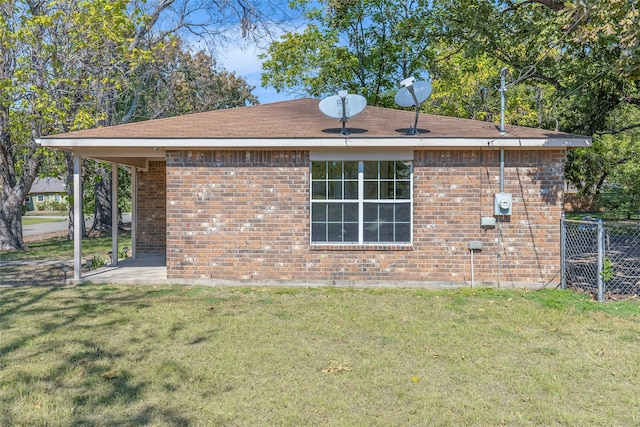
{"points": [[147, 270]]}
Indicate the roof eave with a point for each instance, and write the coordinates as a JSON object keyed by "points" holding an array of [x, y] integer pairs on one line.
{"points": [[142, 145]]}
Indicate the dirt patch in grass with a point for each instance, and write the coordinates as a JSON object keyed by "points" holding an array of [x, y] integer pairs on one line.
{"points": [[180, 355]]}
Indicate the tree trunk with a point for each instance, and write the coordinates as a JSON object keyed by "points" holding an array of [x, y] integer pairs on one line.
{"points": [[102, 212], [14, 193], [14, 187], [11, 227]]}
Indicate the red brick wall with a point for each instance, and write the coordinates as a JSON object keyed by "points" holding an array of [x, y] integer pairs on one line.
{"points": [[152, 210], [244, 215]]}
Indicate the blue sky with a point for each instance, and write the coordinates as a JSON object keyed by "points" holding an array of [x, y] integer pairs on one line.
{"points": [[245, 63]]}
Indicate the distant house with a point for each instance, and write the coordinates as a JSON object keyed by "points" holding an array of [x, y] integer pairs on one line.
{"points": [[46, 194], [276, 193]]}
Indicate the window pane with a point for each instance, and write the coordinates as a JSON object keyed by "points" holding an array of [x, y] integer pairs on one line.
{"points": [[403, 171], [403, 212], [334, 170], [386, 190], [386, 212], [403, 190], [335, 232], [386, 170], [370, 212], [370, 232], [319, 232], [335, 190], [403, 233], [351, 212], [386, 233], [370, 190], [335, 212], [318, 212], [370, 170], [319, 190], [350, 170], [319, 170], [351, 190], [351, 232]]}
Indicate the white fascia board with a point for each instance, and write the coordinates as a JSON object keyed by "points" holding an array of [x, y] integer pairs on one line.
{"points": [[409, 141]]}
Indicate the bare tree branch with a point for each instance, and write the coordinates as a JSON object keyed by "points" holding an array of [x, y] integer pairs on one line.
{"points": [[622, 129]]}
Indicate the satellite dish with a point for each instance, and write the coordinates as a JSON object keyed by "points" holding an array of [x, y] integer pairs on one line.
{"points": [[343, 106], [413, 94]]}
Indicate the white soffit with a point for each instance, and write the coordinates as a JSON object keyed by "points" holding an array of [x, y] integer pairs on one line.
{"points": [[413, 142]]}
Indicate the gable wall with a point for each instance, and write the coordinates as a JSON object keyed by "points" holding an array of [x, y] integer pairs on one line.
{"points": [[244, 215]]}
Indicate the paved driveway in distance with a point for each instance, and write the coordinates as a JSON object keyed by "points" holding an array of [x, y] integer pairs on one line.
{"points": [[46, 227], [56, 225]]}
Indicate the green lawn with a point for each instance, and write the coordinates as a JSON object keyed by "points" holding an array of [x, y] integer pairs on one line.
{"points": [[62, 248], [39, 265], [30, 220], [178, 355]]}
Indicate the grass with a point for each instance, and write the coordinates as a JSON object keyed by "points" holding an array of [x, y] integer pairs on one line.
{"points": [[179, 355], [40, 264], [31, 220], [62, 248]]}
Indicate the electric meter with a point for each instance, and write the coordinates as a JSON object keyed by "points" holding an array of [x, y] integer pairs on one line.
{"points": [[502, 204]]}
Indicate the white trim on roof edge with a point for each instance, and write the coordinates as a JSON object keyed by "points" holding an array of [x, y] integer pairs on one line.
{"points": [[415, 142]]}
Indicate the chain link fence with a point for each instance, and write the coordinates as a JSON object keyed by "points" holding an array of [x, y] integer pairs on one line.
{"points": [[601, 258]]}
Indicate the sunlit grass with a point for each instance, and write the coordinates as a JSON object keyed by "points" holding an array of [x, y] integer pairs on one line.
{"points": [[179, 355], [62, 248], [40, 264], [31, 220]]}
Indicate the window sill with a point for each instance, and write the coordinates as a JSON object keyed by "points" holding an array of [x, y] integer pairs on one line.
{"points": [[356, 247]]}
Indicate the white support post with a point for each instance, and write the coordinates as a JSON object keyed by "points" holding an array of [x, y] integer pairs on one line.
{"points": [[114, 214], [134, 210], [77, 217]]}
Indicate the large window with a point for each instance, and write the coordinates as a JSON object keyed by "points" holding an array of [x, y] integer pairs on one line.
{"points": [[361, 202]]}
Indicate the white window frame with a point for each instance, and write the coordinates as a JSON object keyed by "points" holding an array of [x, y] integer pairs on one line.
{"points": [[396, 155]]}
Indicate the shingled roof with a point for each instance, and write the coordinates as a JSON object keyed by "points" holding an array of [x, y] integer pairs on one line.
{"points": [[302, 118], [298, 123]]}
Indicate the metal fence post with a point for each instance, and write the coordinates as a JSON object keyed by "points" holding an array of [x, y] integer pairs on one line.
{"points": [[600, 261], [563, 253]]}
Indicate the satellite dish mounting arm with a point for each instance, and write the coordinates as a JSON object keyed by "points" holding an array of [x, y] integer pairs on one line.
{"points": [[414, 129], [413, 94], [343, 97], [408, 83]]}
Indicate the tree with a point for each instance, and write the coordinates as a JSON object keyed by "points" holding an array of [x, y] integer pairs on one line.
{"points": [[573, 66], [59, 60], [171, 82], [618, 22], [362, 46], [27, 103], [176, 81], [73, 64]]}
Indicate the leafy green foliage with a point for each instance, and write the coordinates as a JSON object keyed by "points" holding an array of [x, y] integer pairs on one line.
{"points": [[365, 47], [76, 64], [572, 66]]}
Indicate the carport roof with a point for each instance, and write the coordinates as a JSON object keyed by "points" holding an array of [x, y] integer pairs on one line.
{"points": [[297, 124]]}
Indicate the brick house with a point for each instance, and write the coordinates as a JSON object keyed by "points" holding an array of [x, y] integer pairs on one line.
{"points": [[275, 194]]}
